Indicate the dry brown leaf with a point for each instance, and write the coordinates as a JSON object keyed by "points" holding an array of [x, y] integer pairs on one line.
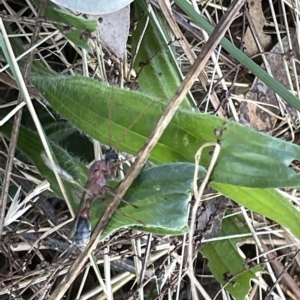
{"points": [[258, 18], [249, 112], [254, 116]]}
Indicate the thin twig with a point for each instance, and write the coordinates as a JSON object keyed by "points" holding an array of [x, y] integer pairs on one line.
{"points": [[144, 153], [198, 196]]}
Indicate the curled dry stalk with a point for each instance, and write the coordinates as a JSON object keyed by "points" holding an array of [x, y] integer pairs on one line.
{"points": [[198, 193]]}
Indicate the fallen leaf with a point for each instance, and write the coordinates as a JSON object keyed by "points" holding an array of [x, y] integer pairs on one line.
{"points": [[259, 21], [249, 112]]}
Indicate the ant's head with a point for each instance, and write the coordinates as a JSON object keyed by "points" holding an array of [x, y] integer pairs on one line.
{"points": [[111, 155]]}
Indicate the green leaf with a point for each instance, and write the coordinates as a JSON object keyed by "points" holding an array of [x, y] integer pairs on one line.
{"points": [[267, 202], [263, 159], [80, 27], [248, 158], [58, 132], [157, 201], [241, 57], [223, 257], [158, 72], [29, 143]]}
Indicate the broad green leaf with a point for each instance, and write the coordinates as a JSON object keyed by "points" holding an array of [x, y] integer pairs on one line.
{"points": [[165, 216], [267, 202], [157, 201], [58, 132], [158, 72], [223, 257], [248, 158], [241, 57], [263, 159], [29, 143], [80, 27], [56, 128]]}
